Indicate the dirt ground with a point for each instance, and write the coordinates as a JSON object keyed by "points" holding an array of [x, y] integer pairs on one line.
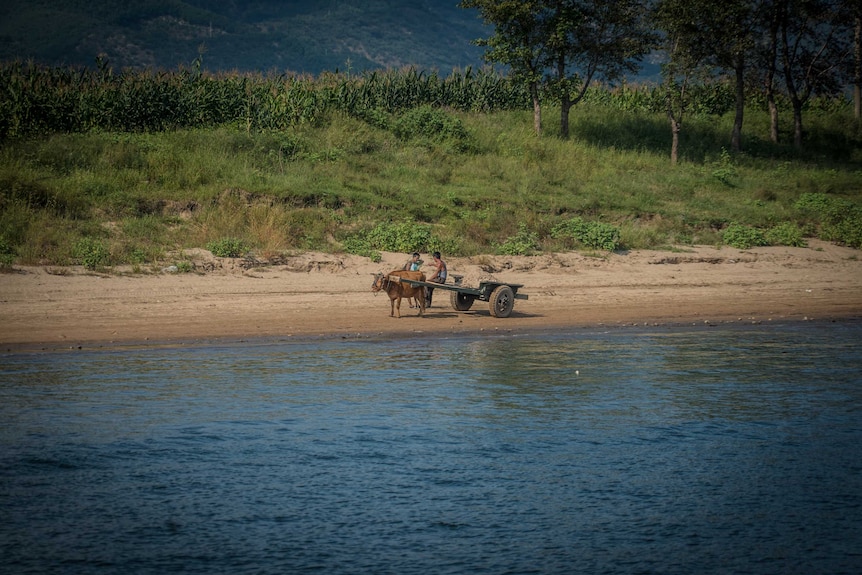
{"points": [[314, 295]]}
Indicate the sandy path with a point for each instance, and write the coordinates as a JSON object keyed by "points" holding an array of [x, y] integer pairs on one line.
{"points": [[313, 295]]}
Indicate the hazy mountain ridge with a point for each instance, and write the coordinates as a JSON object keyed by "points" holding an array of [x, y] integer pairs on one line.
{"points": [[264, 35]]}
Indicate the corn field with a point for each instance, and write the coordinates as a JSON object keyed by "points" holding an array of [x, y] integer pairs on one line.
{"points": [[713, 98], [39, 100], [42, 100]]}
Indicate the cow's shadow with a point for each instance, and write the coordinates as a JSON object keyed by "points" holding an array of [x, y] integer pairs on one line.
{"points": [[444, 313]]}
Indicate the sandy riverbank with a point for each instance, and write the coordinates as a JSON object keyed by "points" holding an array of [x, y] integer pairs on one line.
{"points": [[321, 295]]}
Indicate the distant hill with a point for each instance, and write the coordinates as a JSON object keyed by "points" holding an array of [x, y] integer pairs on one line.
{"points": [[296, 36]]}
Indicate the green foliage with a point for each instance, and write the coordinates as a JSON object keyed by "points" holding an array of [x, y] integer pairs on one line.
{"points": [[590, 234], [446, 245], [404, 237], [41, 100], [525, 242], [394, 237], [743, 237], [432, 124], [724, 171], [817, 204], [91, 253], [227, 248], [707, 99], [520, 36], [360, 246], [146, 194], [847, 231], [785, 234], [7, 254], [185, 267], [839, 219]]}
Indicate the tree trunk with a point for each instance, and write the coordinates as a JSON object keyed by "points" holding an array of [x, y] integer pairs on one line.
{"points": [[773, 116], [675, 128], [770, 75], [565, 106], [790, 85], [857, 69], [537, 108], [736, 135], [797, 123], [676, 122], [565, 98]]}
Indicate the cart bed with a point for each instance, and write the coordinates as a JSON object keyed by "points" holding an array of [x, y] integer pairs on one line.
{"points": [[500, 295]]}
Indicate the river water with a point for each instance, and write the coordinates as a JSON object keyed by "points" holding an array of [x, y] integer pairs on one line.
{"points": [[708, 450]]}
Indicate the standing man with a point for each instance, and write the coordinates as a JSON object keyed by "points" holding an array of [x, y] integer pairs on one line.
{"points": [[438, 277]]}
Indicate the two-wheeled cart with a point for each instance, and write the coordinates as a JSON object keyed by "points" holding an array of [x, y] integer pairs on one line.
{"points": [[500, 296]]}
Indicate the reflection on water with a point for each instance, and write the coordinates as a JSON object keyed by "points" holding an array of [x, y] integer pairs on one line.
{"points": [[703, 451]]}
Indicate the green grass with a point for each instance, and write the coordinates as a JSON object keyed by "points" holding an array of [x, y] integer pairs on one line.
{"points": [[328, 185]]}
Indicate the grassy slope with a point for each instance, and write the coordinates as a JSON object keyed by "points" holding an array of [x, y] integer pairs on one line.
{"points": [[142, 195]]}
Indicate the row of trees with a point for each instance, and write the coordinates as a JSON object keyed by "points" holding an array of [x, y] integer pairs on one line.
{"points": [[798, 48]]}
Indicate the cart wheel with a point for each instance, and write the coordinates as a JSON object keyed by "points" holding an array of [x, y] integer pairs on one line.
{"points": [[502, 301], [461, 301]]}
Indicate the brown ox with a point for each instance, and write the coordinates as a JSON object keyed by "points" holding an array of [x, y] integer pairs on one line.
{"points": [[396, 290]]}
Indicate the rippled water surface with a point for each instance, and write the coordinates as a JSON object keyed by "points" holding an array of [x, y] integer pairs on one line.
{"points": [[678, 451]]}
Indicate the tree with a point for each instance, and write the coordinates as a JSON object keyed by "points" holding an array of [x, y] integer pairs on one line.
{"points": [[518, 42], [729, 28], [577, 41], [592, 40], [766, 59], [814, 45], [725, 39], [686, 56], [856, 11]]}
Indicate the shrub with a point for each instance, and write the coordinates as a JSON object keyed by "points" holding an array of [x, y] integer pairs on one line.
{"points": [[847, 231], [7, 255], [594, 235], [404, 237], [432, 124], [91, 253], [376, 117], [840, 220], [785, 234], [227, 248], [399, 237], [358, 245], [814, 204], [724, 170], [523, 243], [743, 237], [451, 246]]}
